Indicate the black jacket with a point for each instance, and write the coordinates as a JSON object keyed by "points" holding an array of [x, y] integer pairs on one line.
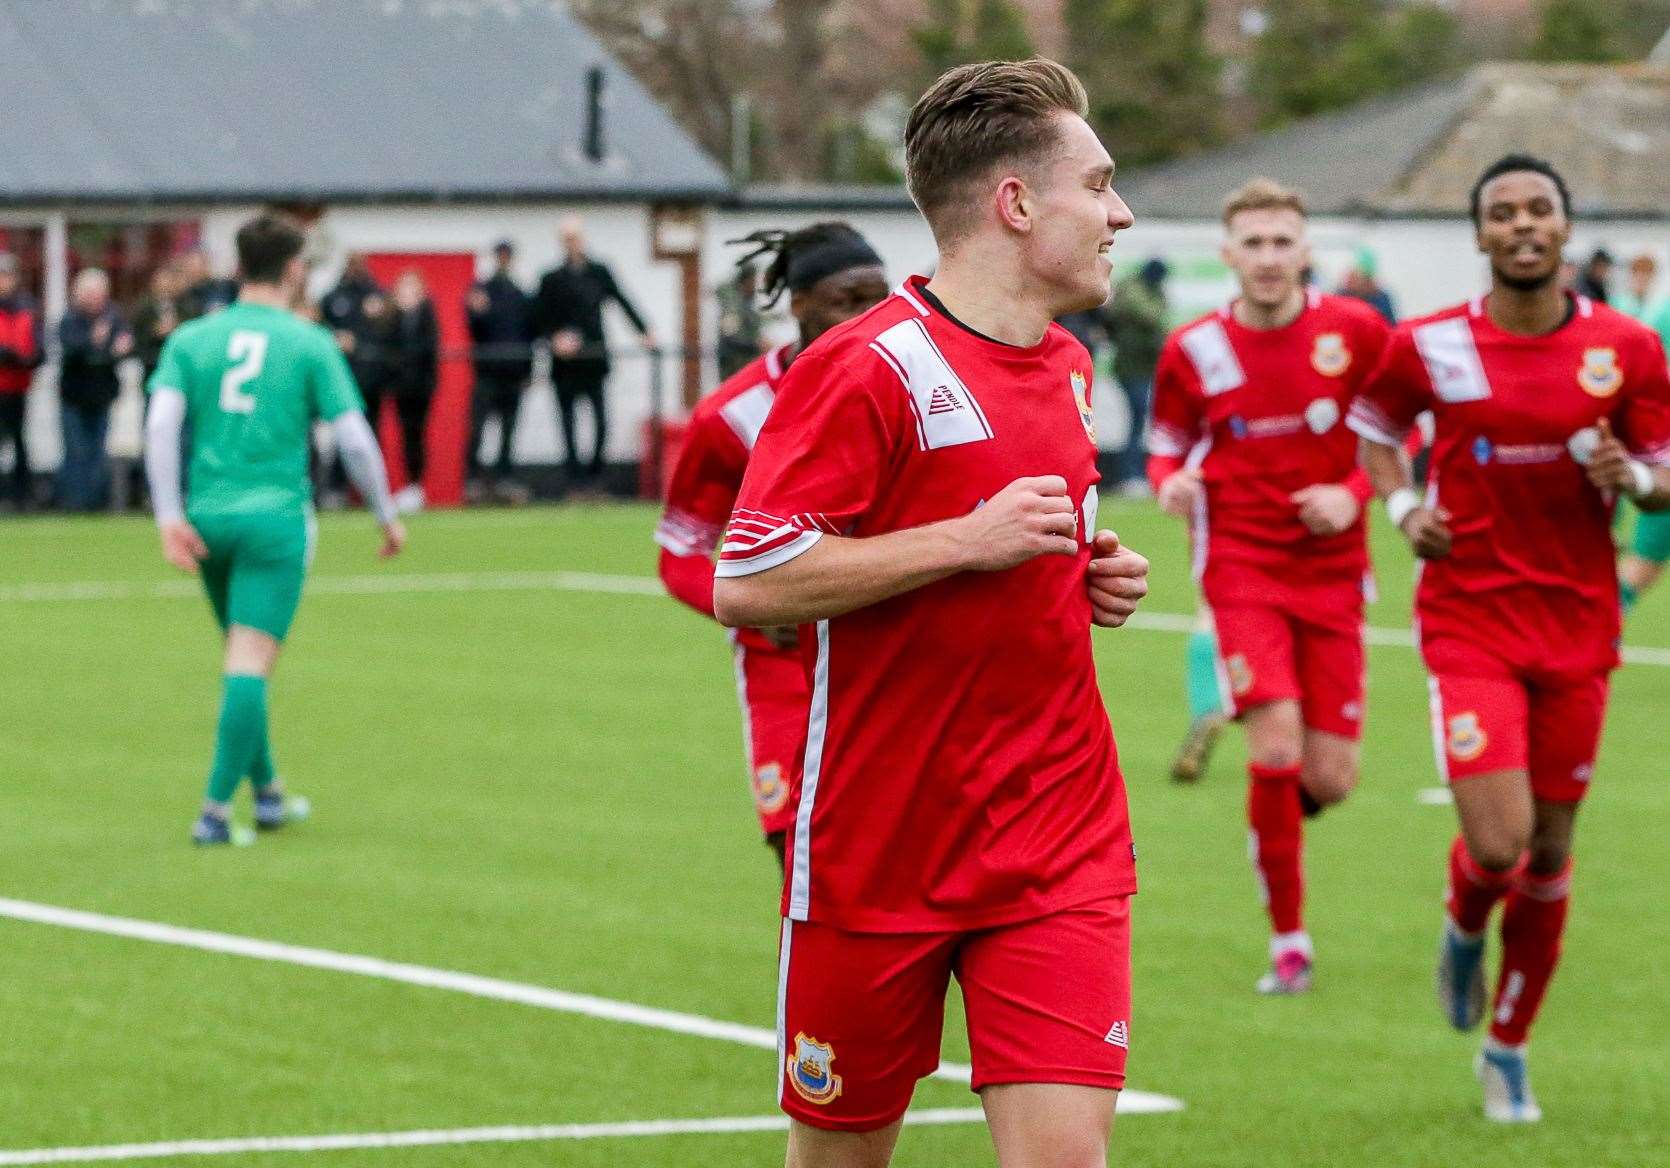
{"points": [[414, 342], [206, 296], [572, 296], [87, 375], [507, 326]]}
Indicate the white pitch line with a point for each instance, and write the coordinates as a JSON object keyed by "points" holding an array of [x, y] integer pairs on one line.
{"points": [[395, 584], [1435, 797], [530, 1133], [562, 1001]]}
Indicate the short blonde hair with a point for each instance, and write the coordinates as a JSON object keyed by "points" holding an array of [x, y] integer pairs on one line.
{"points": [[1262, 194], [977, 117]]}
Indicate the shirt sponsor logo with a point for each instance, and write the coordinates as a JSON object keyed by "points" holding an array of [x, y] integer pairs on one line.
{"points": [[1322, 415], [1482, 450], [770, 791], [1330, 357], [811, 1071], [1275, 426], [1530, 453], [1081, 396], [1599, 374], [1467, 738], [1119, 1035], [1238, 426]]}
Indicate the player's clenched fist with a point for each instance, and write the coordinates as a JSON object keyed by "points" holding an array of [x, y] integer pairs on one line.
{"points": [[1428, 532], [1029, 517], [1180, 492], [1118, 580]]}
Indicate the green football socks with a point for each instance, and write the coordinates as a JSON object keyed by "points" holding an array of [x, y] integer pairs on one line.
{"points": [[241, 735], [1204, 695]]}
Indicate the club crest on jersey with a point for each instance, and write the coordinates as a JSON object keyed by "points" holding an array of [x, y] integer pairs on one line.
{"points": [[810, 1070], [1330, 357], [1240, 674], [1467, 738], [1599, 374], [1081, 396], [770, 791]]}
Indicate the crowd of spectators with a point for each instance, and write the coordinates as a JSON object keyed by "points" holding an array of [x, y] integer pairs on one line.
{"points": [[390, 335]]}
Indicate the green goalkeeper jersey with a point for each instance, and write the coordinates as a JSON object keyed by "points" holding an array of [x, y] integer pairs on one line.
{"points": [[254, 379]]}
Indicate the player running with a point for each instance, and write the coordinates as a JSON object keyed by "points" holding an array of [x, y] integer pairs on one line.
{"points": [[249, 381], [923, 499], [1258, 391], [1548, 406], [832, 275]]}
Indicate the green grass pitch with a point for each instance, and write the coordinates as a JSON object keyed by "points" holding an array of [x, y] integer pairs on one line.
{"points": [[545, 786]]}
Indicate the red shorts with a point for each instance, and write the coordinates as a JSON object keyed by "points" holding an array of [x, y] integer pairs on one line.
{"points": [[771, 689], [859, 1015], [1490, 716], [1312, 655]]}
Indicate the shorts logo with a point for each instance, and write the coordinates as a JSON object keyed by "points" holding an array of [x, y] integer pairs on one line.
{"points": [[1120, 1036], [1583, 772], [1352, 711], [1330, 357], [1599, 374], [809, 1070], [1081, 396], [770, 791], [1322, 415], [1467, 738], [1240, 674]]}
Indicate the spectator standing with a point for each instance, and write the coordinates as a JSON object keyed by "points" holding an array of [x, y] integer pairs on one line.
{"points": [[413, 341], [741, 323], [568, 310], [1360, 282], [1136, 319], [20, 354], [204, 292], [1595, 279], [92, 339], [501, 333], [157, 316], [1638, 299]]}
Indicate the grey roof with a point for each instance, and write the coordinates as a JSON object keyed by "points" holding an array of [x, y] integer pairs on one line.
{"points": [[1341, 161], [199, 100], [1606, 127]]}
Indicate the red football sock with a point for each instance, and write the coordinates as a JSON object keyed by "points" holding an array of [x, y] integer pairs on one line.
{"points": [[1278, 843], [1474, 891], [1532, 923]]}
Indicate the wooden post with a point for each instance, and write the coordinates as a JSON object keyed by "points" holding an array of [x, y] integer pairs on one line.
{"points": [[676, 235]]}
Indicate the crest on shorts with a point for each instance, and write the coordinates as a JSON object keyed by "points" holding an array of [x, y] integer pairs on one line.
{"points": [[810, 1070], [1330, 357], [770, 791], [1240, 674], [1081, 395], [1467, 738], [1599, 374]]}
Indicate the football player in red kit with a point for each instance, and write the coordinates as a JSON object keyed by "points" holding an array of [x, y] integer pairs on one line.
{"points": [[922, 501], [831, 274], [1548, 407], [1258, 392]]}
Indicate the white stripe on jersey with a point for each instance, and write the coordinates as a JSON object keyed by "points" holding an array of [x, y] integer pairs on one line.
{"points": [[817, 729], [746, 412]]}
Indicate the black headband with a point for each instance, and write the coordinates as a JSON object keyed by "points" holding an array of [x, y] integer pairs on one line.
{"points": [[823, 259]]}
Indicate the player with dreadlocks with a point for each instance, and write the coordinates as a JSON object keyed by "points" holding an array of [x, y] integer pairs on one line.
{"points": [[832, 275]]}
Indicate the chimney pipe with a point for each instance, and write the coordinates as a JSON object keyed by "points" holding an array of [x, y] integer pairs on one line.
{"points": [[594, 114]]}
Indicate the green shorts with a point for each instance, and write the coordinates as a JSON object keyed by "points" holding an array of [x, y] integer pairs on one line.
{"points": [[1652, 536], [256, 566]]}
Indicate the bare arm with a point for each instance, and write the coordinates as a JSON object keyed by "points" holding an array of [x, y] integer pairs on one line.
{"points": [[838, 574]]}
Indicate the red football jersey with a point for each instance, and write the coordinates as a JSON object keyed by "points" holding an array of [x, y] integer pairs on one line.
{"points": [[1512, 415], [708, 475], [1267, 409], [959, 769]]}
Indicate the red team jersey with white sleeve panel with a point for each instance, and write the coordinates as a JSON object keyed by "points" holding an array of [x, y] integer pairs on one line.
{"points": [[960, 771], [771, 685], [1509, 411], [1270, 405]]}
